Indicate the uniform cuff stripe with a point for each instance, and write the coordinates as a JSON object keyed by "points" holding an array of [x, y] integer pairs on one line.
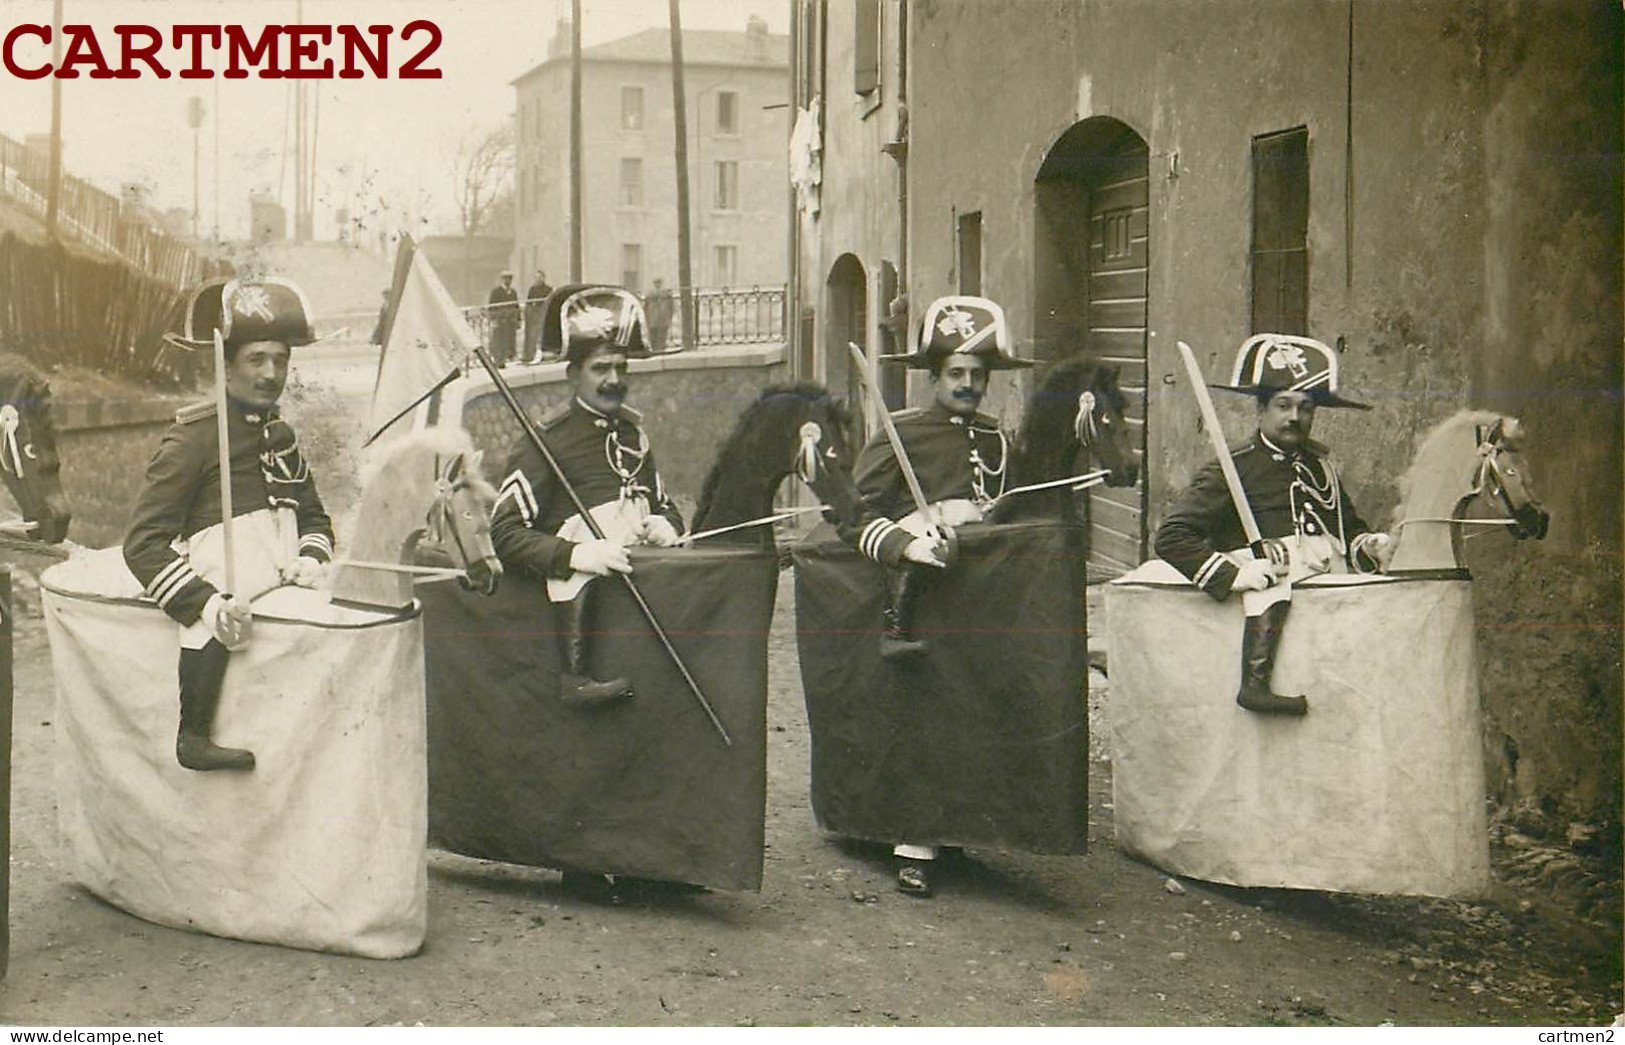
{"points": [[873, 536], [174, 587], [1209, 569], [317, 540], [173, 576]]}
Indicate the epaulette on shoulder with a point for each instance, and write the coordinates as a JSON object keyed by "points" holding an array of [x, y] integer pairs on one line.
{"points": [[1318, 448], [908, 414], [1243, 446], [985, 421], [194, 412], [635, 416], [556, 416]]}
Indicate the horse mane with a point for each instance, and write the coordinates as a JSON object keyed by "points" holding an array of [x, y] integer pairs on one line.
{"points": [[734, 443], [23, 384], [1045, 433], [399, 454], [1428, 466]]}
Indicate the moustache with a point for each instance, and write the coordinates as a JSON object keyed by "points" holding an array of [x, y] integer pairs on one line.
{"points": [[612, 390], [966, 393]]}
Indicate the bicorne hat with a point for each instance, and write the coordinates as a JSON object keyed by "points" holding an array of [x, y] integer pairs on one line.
{"points": [[580, 317], [1270, 363], [961, 324], [244, 310]]}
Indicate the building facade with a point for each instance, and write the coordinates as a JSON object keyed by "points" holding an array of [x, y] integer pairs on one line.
{"points": [[1434, 188], [737, 86]]}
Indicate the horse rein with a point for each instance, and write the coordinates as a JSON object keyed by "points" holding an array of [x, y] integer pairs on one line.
{"points": [[1489, 479]]}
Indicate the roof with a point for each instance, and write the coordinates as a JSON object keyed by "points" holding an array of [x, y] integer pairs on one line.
{"points": [[700, 47]]}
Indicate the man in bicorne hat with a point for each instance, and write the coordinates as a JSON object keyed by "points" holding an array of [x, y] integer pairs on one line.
{"points": [[605, 455], [1304, 515], [502, 309], [959, 456], [175, 545]]}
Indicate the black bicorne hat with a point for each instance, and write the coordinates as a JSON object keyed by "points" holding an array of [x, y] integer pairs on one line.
{"points": [[961, 323], [244, 310], [580, 317], [1270, 363]]}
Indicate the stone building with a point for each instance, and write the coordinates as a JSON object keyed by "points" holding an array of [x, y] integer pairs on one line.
{"points": [[1433, 187], [737, 85]]}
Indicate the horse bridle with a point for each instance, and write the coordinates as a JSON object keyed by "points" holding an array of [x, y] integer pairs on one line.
{"points": [[1084, 425], [812, 435], [439, 521]]}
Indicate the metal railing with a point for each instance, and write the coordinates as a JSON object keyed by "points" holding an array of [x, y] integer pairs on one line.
{"points": [[722, 316], [96, 218]]}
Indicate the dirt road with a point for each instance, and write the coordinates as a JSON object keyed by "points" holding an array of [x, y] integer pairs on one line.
{"points": [[1010, 939]]}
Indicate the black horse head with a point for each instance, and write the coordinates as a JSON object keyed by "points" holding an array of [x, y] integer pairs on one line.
{"points": [[1075, 422], [795, 429], [28, 456]]}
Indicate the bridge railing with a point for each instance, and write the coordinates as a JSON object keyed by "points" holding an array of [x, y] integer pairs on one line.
{"points": [[722, 316]]}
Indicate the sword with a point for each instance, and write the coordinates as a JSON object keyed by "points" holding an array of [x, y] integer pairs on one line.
{"points": [[788, 513], [928, 511], [1076, 482], [535, 438], [224, 428], [1210, 420]]}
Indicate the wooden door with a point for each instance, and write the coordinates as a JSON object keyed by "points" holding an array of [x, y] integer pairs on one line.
{"points": [[1118, 255]]}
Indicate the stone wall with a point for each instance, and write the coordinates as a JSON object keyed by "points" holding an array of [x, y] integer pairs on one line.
{"points": [[1463, 249]]}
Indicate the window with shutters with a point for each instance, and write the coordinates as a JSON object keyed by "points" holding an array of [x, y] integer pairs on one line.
{"points": [[1280, 254], [727, 185], [631, 181], [970, 253], [866, 46], [631, 108]]}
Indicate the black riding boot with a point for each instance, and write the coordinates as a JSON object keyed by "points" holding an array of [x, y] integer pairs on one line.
{"points": [[897, 636], [1259, 637], [202, 671], [578, 689]]}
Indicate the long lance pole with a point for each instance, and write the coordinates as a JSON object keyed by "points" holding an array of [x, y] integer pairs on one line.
{"points": [[535, 437]]}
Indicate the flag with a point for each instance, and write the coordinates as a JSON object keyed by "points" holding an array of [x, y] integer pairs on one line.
{"points": [[425, 341]]}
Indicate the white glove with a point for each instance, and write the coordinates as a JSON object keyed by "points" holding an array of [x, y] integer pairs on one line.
{"points": [[1379, 546], [600, 558], [305, 572], [658, 531], [1253, 575], [232, 624], [925, 551]]}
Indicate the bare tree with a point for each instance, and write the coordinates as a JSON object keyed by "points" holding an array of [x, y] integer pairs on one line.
{"points": [[483, 168]]}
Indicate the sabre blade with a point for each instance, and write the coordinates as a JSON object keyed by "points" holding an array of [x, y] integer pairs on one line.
{"points": [[927, 511], [1210, 420]]}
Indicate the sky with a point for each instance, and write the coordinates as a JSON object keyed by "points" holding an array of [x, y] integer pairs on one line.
{"points": [[385, 148]]}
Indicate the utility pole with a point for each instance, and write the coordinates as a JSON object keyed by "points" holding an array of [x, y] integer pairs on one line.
{"points": [[53, 191], [194, 120], [575, 141], [679, 111]]}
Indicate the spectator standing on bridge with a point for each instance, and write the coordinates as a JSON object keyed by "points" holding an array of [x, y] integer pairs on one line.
{"points": [[535, 305], [502, 310], [657, 307]]}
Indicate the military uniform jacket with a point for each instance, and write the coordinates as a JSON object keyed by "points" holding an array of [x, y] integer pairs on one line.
{"points": [[602, 457], [954, 457], [182, 498], [1290, 494]]}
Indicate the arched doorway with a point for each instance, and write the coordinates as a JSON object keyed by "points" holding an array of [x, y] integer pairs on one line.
{"points": [[1091, 255], [846, 311]]}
